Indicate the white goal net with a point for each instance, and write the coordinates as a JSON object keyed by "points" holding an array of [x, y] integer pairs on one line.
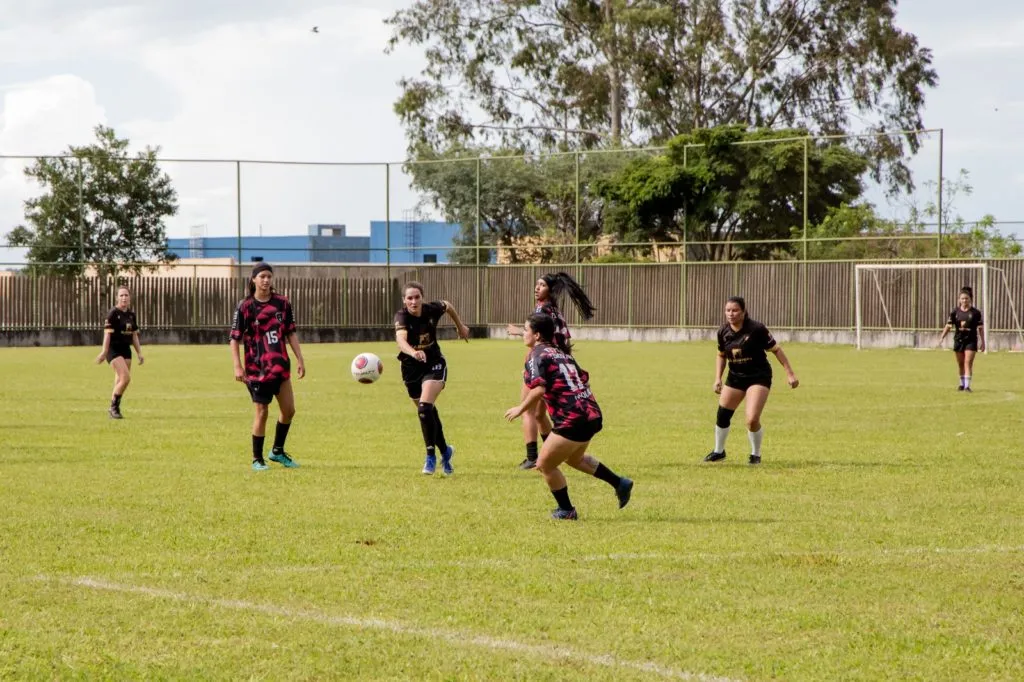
{"points": [[917, 297]]}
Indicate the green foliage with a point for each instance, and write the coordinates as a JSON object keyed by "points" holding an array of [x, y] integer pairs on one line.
{"points": [[540, 74], [873, 237], [724, 184], [99, 205]]}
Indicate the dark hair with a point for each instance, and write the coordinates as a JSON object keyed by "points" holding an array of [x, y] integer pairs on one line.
{"points": [[969, 291], [559, 283], [257, 269], [543, 325], [412, 285], [738, 300]]}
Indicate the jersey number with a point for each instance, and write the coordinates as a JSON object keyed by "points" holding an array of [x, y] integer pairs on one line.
{"points": [[271, 337], [571, 378]]}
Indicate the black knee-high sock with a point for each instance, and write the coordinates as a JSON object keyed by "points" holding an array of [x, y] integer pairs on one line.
{"points": [[531, 451], [280, 434], [257, 448], [562, 498], [439, 440], [115, 401], [607, 475], [427, 425]]}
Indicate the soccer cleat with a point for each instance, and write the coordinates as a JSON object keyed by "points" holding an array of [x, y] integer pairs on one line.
{"points": [[564, 514], [715, 456], [259, 465], [115, 413], [446, 461], [960, 387], [430, 465], [623, 491], [967, 389], [528, 464], [283, 459], [755, 459]]}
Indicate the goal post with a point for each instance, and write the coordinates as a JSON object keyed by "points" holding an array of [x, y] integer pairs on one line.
{"points": [[865, 270]]}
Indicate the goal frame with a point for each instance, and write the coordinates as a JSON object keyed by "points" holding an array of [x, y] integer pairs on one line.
{"points": [[862, 267]]}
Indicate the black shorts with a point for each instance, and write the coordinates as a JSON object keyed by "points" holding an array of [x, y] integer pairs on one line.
{"points": [[125, 353], [263, 392], [742, 383], [582, 432], [414, 373], [961, 345]]}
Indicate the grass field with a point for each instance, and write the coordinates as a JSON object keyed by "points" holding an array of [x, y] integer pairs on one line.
{"points": [[882, 538]]}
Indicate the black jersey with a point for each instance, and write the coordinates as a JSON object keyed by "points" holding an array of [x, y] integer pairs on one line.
{"points": [[422, 330], [122, 325], [562, 335], [965, 324], [746, 349]]}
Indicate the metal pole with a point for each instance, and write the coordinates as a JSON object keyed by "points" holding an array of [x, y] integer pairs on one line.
{"points": [[81, 216], [984, 305], [856, 298], [807, 142], [577, 157], [478, 210], [387, 224], [939, 218], [238, 213]]}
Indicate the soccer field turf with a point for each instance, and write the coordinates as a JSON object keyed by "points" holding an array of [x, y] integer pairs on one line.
{"points": [[882, 537]]}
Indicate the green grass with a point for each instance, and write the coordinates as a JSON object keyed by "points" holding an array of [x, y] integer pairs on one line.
{"points": [[880, 539]]}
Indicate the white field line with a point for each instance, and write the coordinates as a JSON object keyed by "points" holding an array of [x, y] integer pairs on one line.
{"points": [[453, 637], [518, 563]]}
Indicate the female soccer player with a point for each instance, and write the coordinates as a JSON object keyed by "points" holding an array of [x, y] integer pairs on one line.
{"points": [[552, 374], [742, 343], [424, 369], [120, 333], [969, 337], [264, 322], [546, 291]]}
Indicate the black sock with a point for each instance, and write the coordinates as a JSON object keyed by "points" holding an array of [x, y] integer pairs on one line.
{"points": [[607, 475], [257, 448], [562, 498], [531, 451], [115, 401], [280, 433], [439, 440], [427, 425]]}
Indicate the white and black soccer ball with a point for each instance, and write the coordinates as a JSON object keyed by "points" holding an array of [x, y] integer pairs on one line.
{"points": [[367, 368]]}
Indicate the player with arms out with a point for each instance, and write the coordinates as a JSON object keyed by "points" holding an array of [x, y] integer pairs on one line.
{"points": [[969, 337], [120, 334], [424, 369], [547, 291], [743, 344], [552, 377], [265, 324]]}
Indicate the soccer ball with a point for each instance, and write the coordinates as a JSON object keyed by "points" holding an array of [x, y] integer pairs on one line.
{"points": [[367, 368]]}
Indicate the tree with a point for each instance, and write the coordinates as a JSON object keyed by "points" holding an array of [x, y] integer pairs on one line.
{"points": [[99, 205], [725, 185], [595, 73], [857, 232], [521, 195]]}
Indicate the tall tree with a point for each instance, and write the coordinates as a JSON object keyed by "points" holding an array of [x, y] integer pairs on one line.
{"points": [[592, 73], [99, 205], [726, 185]]}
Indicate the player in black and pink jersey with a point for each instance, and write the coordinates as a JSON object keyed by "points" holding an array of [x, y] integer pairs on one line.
{"points": [[743, 344], [424, 369], [968, 336], [547, 291], [552, 377], [120, 334], [265, 324]]}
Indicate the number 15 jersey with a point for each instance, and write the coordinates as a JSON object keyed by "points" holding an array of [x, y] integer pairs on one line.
{"points": [[264, 326], [566, 386]]}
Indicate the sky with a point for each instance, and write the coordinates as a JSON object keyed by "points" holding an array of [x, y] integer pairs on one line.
{"points": [[249, 80]]}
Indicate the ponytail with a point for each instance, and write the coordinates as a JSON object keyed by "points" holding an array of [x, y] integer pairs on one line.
{"points": [[560, 282]]}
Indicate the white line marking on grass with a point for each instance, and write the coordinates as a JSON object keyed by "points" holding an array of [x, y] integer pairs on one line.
{"points": [[451, 636]]}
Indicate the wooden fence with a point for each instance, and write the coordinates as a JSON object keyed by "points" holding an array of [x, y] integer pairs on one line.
{"points": [[784, 295]]}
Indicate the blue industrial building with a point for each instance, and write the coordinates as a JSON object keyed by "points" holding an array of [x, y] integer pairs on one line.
{"points": [[322, 244], [412, 241]]}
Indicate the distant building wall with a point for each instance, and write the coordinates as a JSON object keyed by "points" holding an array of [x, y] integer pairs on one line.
{"points": [[413, 241]]}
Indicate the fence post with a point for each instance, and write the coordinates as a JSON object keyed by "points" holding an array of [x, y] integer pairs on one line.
{"points": [[387, 223], [938, 243], [629, 297], [807, 141], [238, 214], [195, 296], [81, 215], [577, 158]]}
